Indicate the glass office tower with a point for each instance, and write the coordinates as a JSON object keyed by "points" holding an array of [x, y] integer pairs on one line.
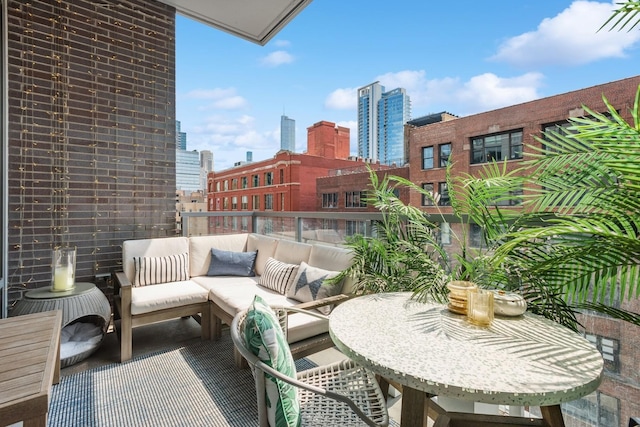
{"points": [[394, 110], [287, 134]]}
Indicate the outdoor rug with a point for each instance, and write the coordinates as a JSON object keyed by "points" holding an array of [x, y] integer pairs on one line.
{"points": [[195, 385]]}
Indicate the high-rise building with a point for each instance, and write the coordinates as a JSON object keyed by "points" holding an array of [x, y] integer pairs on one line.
{"points": [[206, 166], [181, 138], [287, 134], [394, 110], [187, 170], [368, 97], [381, 119]]}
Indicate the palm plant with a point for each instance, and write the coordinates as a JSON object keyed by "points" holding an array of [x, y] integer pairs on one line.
{"points": [[578, 232]]}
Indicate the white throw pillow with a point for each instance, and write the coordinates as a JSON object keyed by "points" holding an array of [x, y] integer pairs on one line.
{"points": [[278, 276]]}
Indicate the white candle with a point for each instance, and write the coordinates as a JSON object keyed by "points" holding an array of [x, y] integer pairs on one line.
{"points": [[62, 279]]}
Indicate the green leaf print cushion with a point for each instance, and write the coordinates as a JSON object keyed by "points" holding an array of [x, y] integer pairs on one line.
{"points": [[264, 337]]}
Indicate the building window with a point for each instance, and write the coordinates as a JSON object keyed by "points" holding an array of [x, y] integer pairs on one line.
{"points": [[234, 223], [225, 203], [355, 227], [610, 349], [443, 194], [355, 199], [427, 157], [330, 224], [245, 223], [282, 197], [234, 203], [596, 409], [445, 233], [255, 203], [244, 182], [217, 185], [281, 176], [427, 200], [268, 201], [443, 154], [226, 185], [476, 236], [268, 178], [329, 200], [255, 180], [497, 147], [514, 199], [245, 203], [234, 184]]}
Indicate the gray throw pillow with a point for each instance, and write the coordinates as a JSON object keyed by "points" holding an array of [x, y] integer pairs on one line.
{"points": [[228, 263]]}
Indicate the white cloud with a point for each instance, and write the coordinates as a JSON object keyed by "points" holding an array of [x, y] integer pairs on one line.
{"points": [[276, 58], [480, 93], [223, 99], [342, 99], [569, 38]]}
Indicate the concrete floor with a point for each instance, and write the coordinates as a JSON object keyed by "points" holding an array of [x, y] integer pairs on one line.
{"points": [[168, 334]]}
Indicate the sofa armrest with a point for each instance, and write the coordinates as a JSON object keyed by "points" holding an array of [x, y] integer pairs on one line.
{"points": [[335, 299], [122, 292]]}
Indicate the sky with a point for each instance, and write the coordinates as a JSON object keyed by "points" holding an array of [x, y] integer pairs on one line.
{"points": [[463, 57]]}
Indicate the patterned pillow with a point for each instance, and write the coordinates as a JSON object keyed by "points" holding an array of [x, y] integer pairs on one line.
{"points": [[228, 263], [263, 336], [309, 285], [278, 276], [162, 269]]}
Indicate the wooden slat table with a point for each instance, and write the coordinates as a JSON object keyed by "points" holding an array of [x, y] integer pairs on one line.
{"points": [[29, 365]]}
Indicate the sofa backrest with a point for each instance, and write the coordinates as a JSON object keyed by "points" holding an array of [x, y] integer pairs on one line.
{"points": [[200, 249], [266, 247], [292, 252], [156, 247], [330, 257]]}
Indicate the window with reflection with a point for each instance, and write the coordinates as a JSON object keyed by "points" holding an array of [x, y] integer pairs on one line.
{"points": [[427, 200], [443, 154], [427, 157], [497, 147]]}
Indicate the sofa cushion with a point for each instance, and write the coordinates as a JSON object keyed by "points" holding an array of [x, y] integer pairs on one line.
{"points": [[230, 263], [162, 269], [263, 336], [309, 285], [266, 247], [200, 249], [159, 246], [278, 275], [330, 257], [292, 252], [147, 299], [234, 294]]}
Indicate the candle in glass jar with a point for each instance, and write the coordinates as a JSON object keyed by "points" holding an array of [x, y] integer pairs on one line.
{"points": [[62, 279], [480, 307]]}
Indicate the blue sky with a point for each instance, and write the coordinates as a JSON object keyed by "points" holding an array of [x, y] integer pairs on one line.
{"points": [[463, 57]]}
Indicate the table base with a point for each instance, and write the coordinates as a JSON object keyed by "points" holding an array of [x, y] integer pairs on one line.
{"points": [[418, 408]]}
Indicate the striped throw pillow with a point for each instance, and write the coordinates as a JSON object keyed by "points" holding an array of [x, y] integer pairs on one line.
{"points": [[278, 275], [162, 269]]}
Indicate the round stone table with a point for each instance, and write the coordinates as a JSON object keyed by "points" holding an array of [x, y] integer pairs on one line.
{"points": [[84, 303]]}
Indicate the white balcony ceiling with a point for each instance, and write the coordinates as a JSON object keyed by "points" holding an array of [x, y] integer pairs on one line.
{"points": [[254, 20]]}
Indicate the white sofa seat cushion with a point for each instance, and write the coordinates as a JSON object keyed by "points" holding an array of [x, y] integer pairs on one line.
{"points": [[152, 298], [234, 294]]}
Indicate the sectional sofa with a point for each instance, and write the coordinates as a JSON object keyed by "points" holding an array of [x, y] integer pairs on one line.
{"points": [[214, 277]]}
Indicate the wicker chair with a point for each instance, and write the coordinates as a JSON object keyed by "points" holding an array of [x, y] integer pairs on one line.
{"points": [[341, 393]]}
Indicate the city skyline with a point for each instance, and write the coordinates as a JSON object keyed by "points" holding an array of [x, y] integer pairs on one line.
{"points": [[230, 93]]}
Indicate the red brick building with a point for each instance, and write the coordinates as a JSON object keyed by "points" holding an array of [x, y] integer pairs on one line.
{"points": [[326, 139]]}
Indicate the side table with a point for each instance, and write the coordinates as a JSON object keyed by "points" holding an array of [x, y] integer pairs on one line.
{"points": [[84, 302]]}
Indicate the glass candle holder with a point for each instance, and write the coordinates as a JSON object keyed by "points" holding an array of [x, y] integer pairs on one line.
{"points": [[458, 295], [480, 310], [63, 269]]}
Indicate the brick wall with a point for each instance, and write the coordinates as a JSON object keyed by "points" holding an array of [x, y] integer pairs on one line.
{"points": [[91, 133]]}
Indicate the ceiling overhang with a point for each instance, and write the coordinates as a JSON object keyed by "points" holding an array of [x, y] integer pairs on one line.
{"points": [[254, 20]]}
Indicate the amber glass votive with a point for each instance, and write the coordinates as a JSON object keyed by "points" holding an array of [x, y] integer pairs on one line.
{"points": [[480, 310]]}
